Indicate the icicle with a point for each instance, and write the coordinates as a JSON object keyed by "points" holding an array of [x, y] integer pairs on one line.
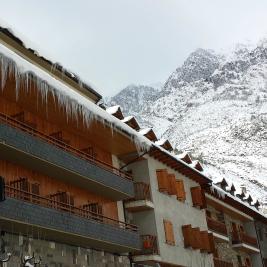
{"points": [[73, 104]]}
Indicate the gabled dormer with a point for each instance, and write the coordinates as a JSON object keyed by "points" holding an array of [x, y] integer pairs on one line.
{"points": [[165, 144], [132, 122], [115, 111], [196, 164], [149, 134], [185, 157]]}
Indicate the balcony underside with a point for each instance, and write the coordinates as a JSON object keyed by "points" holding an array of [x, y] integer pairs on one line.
{"points": [[139, 205], [153, 260], [18, 217], [32, 152], [219, 238], [246, 248]]}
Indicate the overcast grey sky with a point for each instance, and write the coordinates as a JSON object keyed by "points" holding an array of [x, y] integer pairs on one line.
{"points": [[113, 43]]}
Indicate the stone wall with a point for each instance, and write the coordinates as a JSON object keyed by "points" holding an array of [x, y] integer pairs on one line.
{"points": [[225, 250], [56, 254]]}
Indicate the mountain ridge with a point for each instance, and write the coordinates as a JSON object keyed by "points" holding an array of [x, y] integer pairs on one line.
{"points": [[215, 107]]}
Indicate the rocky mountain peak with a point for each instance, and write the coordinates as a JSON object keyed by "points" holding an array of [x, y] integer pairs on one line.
{"points": [[215, 107]]}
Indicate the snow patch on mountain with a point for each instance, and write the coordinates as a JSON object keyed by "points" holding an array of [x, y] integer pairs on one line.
{"points": [[215, 107]]}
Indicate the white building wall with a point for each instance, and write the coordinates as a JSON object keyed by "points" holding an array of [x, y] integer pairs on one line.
{"points": [[169, 208]]}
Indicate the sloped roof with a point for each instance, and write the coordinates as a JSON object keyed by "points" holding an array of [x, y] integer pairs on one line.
{"points": [[8, 35]]}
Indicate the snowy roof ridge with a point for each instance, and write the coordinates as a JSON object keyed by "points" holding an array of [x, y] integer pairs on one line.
{"points": [[23, 42], [239, 200], [113, 109], [161, 141], [72, 101], [222, 193], [145, 130], [128, 118]]}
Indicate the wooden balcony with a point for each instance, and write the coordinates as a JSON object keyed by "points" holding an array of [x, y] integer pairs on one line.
{"points": [[221, 263], [54, 157], [80, 226], [142, 198], [149, 250], [245, 242], [218, 228]]}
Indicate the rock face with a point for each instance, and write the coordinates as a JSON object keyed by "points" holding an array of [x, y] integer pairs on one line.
{"points": [[215, 107]]}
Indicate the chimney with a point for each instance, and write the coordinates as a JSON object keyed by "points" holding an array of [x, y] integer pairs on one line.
{"points": [[243, 189]]}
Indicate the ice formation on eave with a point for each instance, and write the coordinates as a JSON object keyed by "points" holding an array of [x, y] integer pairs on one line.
{"points": [[40, 52], [69, 99]]}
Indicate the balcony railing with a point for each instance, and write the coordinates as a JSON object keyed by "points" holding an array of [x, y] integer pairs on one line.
{"points": [[65, 207], [240, 237], [217, 226], [221, 263], [26, 127], [142, 191], [149, 245]]}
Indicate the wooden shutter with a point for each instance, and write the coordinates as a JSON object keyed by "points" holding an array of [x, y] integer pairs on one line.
{"points": [[212, 248], [162, 176], [205, 246], [198, 197], [187, 233], [172, 184], [169, 235], [196, 244], [181, 195]]}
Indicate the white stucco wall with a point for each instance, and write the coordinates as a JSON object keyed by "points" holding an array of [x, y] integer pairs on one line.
{"points": [[179, 213]]}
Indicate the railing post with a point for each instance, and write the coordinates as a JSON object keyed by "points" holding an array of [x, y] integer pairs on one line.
{"points": [[2, 189]]}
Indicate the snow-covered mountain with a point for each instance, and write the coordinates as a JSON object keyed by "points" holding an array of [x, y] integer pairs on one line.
{"points": [[215, 107]]}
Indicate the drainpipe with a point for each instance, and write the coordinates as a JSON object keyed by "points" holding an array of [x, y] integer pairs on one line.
{"points": [[258, 239]]}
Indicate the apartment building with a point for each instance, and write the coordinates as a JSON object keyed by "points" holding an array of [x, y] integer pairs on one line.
{"points": [[82, 185], [61, 189], [237, 227]]}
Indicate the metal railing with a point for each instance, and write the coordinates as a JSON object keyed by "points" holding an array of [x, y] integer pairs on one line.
{"points": [[65, 207], [60, 144], [221, 263], [217, 226]]}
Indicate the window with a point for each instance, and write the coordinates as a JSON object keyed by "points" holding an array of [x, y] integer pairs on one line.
{"points": [[169, 235]]}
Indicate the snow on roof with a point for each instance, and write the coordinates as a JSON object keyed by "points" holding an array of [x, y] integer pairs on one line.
{"points": [[161, 142], [112, 110], [41, 53], [128, 118], [73, 102], [182, 155], [223, 194], [145, 131]]}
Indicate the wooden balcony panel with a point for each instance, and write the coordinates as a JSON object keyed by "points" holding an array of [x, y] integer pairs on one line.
{"points": [[142, 191], [57, 140], [149, 245], [33, 149], [217, 226], [240, 237], [221, 263], [80, 226]]}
